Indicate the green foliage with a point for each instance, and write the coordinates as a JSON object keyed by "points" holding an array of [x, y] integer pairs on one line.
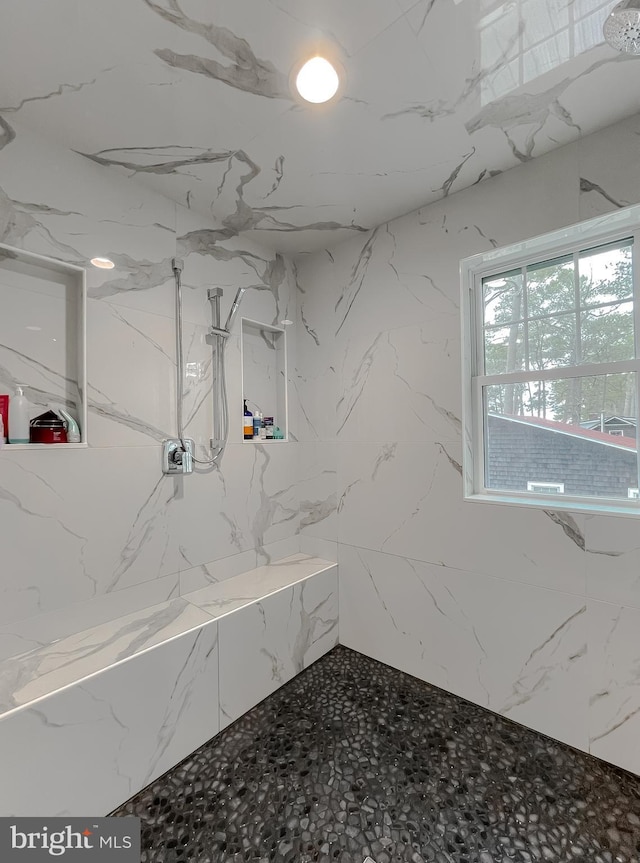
{"points": [[561, 319]]}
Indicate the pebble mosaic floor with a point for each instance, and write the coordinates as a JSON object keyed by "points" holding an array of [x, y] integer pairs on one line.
{"points": [[353, 758]]}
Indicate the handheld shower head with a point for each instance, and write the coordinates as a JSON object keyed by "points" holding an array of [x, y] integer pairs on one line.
{"points": [[622, 27], [238, 299], [234, 308]]}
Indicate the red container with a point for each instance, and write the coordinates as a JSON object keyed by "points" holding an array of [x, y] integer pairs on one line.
{"points": [[4, 413], [47, 428]]}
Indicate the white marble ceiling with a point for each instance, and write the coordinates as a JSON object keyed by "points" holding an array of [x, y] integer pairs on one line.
{"points": [[192, 97]]}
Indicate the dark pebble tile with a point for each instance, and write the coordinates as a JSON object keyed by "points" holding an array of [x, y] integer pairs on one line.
{"points": [[354, 758]]}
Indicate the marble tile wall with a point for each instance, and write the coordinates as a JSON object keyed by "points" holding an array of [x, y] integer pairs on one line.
{"points": [[104, 521], [72, 712], [199, 102], [266, 644], [543, 604], [92, 745], [529, 613]]}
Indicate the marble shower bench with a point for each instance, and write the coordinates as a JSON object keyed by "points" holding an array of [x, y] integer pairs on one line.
{"points": [[90, 719]]}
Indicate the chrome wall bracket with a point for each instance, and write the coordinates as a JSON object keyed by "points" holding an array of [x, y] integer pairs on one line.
{"points": [[176, 457]]}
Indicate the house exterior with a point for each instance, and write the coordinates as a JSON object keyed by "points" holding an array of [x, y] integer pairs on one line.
{"points": [[532, 454], [616, 426]]}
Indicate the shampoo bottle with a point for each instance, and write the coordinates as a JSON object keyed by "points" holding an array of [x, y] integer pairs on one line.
{"points": [[19, 418], [257, 425], [247, 422]]}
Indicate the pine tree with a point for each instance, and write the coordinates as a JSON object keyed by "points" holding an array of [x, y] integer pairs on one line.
{"points": [[569, 321]]}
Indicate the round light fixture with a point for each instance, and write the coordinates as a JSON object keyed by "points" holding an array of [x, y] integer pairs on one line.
{"points": [[317, 81], [103, 263]]}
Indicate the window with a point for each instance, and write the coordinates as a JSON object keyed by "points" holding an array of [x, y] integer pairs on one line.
{"points": [[633, 493], [522, 39], [549, 359], [546, 487]]}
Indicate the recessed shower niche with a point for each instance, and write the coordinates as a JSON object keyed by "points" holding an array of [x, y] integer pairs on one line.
{"points": [[264, 373], [42, 336]]}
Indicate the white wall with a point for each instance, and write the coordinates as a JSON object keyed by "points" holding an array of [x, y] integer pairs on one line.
{"points": [[534, 615], [104, 522]]}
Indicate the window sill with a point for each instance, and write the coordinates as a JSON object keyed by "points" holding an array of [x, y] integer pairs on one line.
{"points": [[561, 503]]}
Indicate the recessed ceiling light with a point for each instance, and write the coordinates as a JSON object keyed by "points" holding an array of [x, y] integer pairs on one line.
{"points": [[317, 81], [103, 263]]}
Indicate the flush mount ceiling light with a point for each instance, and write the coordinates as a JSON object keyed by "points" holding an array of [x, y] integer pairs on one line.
{"points": [[103, 263], [622, 27], [317, 80]]}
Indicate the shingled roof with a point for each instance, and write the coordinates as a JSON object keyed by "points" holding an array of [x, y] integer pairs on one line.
{"points": [[617, 441], [588, 463]]}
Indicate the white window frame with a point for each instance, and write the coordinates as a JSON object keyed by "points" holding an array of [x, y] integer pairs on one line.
{"points": [[610, 228], [552, 487]]}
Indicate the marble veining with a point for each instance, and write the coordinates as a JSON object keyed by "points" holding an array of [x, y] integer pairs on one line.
{"points": [[7, 133], [315, 511], [534, 676], [589, 186], [228, 595], [58, 91], [530, 613], [614, 706], [377, 334], [246, 71], [27, 677], [17, 220], [141, 531], [569, 527], [455, 113], [245, 217], [267, 643], [142, 731], [46, 668]]}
